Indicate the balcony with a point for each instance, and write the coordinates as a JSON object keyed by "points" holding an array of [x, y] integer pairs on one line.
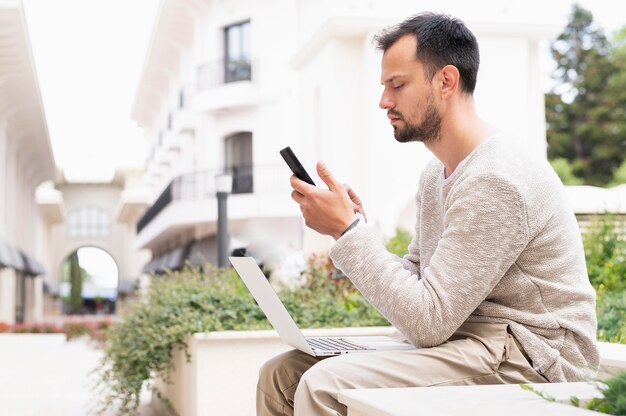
{"points": [[188, 204], [222, 72], [225, 85]]}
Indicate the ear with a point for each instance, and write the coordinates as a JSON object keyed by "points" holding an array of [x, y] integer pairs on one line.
{"points": [[449, 78]]}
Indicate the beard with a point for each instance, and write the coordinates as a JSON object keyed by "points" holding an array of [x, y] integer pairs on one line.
{"points": [[426, 131]]}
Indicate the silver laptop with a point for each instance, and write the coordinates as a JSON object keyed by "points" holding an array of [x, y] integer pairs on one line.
{"points": [[287, 329]]}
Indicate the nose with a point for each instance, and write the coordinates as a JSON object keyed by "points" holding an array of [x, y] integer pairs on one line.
{"points": [[386, 102]]}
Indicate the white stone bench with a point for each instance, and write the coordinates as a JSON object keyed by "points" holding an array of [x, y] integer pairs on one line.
{"points": [[222, 375], [482, 400], [612, 356], [507, 399]]}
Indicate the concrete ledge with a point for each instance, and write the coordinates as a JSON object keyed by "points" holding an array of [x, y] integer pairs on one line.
{"points": [[508, 399], [612, 356], [484, 400], [221, 378], [314, 332]]}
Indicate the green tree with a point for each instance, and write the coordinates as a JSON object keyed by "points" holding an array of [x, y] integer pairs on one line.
{"points": [[584, 112], [617, 85], [619, 176], [564, 169], [76, 284]]}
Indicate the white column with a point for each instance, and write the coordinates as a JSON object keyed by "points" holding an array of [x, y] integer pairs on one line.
{"points": [[7, 296], [10, 193], [3, 175], [537, 107], [33, 310]]}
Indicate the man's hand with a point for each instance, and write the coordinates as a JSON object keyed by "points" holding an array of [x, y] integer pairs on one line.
{"points": [[357, 205], [327, 211]]}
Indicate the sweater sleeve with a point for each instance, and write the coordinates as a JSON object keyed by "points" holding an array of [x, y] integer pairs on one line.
{"points": [[485, 230]]}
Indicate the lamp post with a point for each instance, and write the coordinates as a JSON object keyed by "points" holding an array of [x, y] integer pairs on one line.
{"points": [[223, 186]]}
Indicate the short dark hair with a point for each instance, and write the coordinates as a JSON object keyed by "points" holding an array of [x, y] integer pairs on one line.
{"points": [[441, 40]]}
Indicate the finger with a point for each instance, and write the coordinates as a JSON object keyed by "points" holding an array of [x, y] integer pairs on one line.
{"points": [[298, 197], [300, 186], [354, 197], [327, 177]]}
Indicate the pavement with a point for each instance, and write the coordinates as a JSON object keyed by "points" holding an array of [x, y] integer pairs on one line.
{"points": [[44, 375]]}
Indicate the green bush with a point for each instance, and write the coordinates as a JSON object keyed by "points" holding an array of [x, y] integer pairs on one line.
{"points": [[614, 396], [612, 400], [605, 252], [177, 305], [329, 299], [187, 302], [611, 312], [399, 243]]}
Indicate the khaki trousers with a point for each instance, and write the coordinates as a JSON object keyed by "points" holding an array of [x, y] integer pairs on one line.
{"points": [[477, 353]]}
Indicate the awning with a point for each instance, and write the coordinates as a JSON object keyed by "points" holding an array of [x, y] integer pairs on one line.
{"points": [[150, 267], [11, 257], [156, 265], [202, 252], [5, 258], [127, 286], [175, 259], [172, 260], [31, 266]]}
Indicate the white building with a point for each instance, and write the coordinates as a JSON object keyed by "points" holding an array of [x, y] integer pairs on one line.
{"points": [[96, 220], [26, 161], [227, 84], [40, 226]]}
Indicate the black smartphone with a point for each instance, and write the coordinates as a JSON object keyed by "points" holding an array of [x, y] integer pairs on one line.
{"points": [[295, 165]]}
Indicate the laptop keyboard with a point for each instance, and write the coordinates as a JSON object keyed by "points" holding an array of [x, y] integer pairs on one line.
{"points": [[332, 344]]}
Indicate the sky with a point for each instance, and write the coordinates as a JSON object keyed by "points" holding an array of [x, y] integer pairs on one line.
{"points": [[89, 56]]}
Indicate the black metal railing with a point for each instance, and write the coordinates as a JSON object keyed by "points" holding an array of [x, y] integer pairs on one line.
{"points": [[224, 71], [201, 185], [159, 205], [237, 70], [243, 179]]}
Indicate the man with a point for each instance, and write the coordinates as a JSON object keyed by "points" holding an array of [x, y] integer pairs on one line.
{"points": [[494, 288]]}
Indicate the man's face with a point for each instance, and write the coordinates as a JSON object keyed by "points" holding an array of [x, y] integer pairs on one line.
{"points": [[408, 96]]}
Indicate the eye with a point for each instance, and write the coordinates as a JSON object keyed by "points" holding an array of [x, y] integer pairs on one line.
{"points": [[397, 87]]}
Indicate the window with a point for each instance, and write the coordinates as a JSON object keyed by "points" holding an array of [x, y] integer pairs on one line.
{"points": [[237, 62], [88, 222], [238, 152]]}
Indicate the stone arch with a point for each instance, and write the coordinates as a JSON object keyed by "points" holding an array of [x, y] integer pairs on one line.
{"points": [[77, 246], [95, 294]]}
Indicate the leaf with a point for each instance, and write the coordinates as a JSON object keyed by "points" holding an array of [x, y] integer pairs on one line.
{"points": [[541, 394]]}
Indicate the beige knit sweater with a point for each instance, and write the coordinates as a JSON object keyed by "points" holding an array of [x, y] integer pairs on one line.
{"points": [[495, 242]]}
